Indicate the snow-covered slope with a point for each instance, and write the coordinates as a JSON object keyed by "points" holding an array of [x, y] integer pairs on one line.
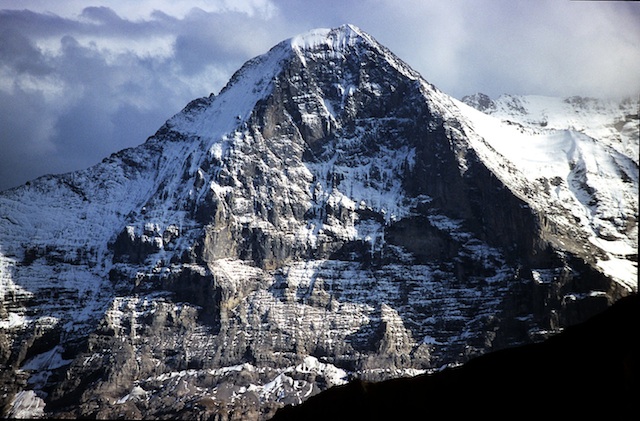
{"points": [[576, 161], [613, 123], [329, 213]]}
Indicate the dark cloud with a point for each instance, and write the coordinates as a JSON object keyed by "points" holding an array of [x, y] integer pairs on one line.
{"points": [[82, 89], [21, 119], [35, 24], [208, 38], [102, 15], [18, 53]]}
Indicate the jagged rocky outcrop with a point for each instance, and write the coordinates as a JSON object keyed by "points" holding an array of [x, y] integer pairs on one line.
{"points": [[328, 215]]}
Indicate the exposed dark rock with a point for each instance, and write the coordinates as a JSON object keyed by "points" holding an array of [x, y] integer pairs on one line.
{"points": [[479, 101]]}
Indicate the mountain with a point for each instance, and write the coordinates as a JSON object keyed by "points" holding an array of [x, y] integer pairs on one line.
{"points": [[328, 215]]}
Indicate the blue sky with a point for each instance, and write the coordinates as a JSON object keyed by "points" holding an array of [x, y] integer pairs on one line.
{"points": [[80, 80]]}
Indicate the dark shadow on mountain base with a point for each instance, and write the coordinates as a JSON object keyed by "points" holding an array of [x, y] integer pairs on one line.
{"points": [[589, 370]]}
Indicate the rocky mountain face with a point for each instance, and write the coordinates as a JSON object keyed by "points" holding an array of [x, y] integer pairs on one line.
{"points": [[328, 215], [579, 362]]}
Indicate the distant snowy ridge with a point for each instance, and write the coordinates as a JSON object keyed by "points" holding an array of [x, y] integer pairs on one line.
{"points": [[613, 122], [584, 154]]}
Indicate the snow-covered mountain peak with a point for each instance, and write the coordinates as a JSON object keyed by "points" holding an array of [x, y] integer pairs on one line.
{"points": [[333, 38], [215, 116], [328, 201], [347, 39]]}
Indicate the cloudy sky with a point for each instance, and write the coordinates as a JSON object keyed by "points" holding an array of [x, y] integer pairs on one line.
{"points": [[82, 79]]}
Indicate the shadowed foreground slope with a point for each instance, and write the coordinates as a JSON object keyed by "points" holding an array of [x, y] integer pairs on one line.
{"points": [[590, 369]]}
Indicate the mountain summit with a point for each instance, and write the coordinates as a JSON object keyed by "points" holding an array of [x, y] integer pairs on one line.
{"points": [[328, 215]]}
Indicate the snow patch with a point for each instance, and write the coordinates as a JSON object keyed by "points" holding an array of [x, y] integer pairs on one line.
{"points": [[26, 405], [49, 360]]}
